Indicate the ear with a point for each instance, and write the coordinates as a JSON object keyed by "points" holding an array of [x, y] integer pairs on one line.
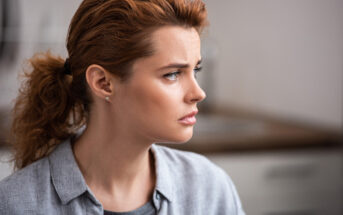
{"points": [[100, 81]]}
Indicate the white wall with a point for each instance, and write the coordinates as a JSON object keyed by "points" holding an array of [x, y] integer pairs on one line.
{"points": [[281, 57], [43, 26]]}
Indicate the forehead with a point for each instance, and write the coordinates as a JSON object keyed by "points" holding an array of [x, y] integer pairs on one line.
{"points": [[176, 44], [170, 45]]}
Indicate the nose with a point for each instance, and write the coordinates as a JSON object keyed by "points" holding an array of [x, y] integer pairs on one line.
{"points": [[194, 93]]}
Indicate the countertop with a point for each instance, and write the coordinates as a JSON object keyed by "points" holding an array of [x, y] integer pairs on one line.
{"points": [[236, 131]]}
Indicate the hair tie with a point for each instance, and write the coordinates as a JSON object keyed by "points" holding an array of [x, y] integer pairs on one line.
{"points": [[67, 69]]}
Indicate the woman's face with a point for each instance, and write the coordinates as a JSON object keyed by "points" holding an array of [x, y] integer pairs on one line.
{"points": [[163, 88]]}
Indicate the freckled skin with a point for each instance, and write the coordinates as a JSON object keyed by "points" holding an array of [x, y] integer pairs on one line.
{"points": [[151, 104]]}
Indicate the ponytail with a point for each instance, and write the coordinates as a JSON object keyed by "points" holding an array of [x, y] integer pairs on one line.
{"points": [[42, 110]]}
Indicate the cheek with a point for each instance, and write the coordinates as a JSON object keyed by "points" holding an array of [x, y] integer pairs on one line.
{"points": [[157, 100], [155, 110], [158, 107]]}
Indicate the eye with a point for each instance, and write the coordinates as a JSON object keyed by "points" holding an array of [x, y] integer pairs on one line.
{"points": [[196, 70], [172, 76]]}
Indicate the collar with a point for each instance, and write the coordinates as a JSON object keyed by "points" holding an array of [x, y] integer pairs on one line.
{"points": [[65, 173], [164, 183], [69, 182]]}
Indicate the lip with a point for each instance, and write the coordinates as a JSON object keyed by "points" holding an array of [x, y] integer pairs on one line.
{"points": [[191, 114], [189, 119]]}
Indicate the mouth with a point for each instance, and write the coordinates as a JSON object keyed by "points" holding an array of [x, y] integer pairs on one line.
{"points": [[189, 119]]}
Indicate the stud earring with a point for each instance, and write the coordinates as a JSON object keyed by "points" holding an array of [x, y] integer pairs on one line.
{"points": [[107, 98]]}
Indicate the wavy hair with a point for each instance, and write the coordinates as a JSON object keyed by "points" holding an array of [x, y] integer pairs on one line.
{"points": [[52, 106]]}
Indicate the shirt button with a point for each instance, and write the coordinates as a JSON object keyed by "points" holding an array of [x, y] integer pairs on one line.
{"points": [[157, 196]]}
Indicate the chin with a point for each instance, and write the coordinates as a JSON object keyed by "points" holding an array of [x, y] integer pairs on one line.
{"points": [[182, 138], [177, 136], [186, 135], [177, 139]]}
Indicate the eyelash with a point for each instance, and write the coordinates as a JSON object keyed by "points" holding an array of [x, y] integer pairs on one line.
{"points": [[196, 70]]}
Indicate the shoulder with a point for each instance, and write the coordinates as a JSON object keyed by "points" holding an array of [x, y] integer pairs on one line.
{"points": [[28, 177], [191, 170], [200, 182], [22, 189], [190, 164]]}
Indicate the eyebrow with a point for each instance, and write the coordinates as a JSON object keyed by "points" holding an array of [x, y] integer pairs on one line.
{"points": [[177, 65]]}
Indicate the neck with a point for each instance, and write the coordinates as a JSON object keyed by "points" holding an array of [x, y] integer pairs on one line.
{"points": [[118, 168]]}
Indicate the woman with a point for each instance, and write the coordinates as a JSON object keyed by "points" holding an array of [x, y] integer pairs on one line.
{"points": [[130, 81]]}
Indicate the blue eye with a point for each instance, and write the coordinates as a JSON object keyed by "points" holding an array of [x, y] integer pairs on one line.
{"points": [[172, 76]]}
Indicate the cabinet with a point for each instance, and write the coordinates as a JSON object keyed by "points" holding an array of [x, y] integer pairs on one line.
{"points": [[287, 182]]}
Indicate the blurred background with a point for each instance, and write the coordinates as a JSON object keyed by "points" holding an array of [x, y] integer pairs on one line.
{"points": [[273, 73]]}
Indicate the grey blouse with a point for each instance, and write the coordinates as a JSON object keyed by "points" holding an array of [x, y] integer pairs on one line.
{"points": [[186, 184]]}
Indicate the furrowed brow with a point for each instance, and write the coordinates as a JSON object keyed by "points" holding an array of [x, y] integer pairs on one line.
{"points": [[177, 65]]}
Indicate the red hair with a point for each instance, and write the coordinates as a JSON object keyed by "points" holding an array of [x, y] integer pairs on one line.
{"points": [[52, 106]]}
